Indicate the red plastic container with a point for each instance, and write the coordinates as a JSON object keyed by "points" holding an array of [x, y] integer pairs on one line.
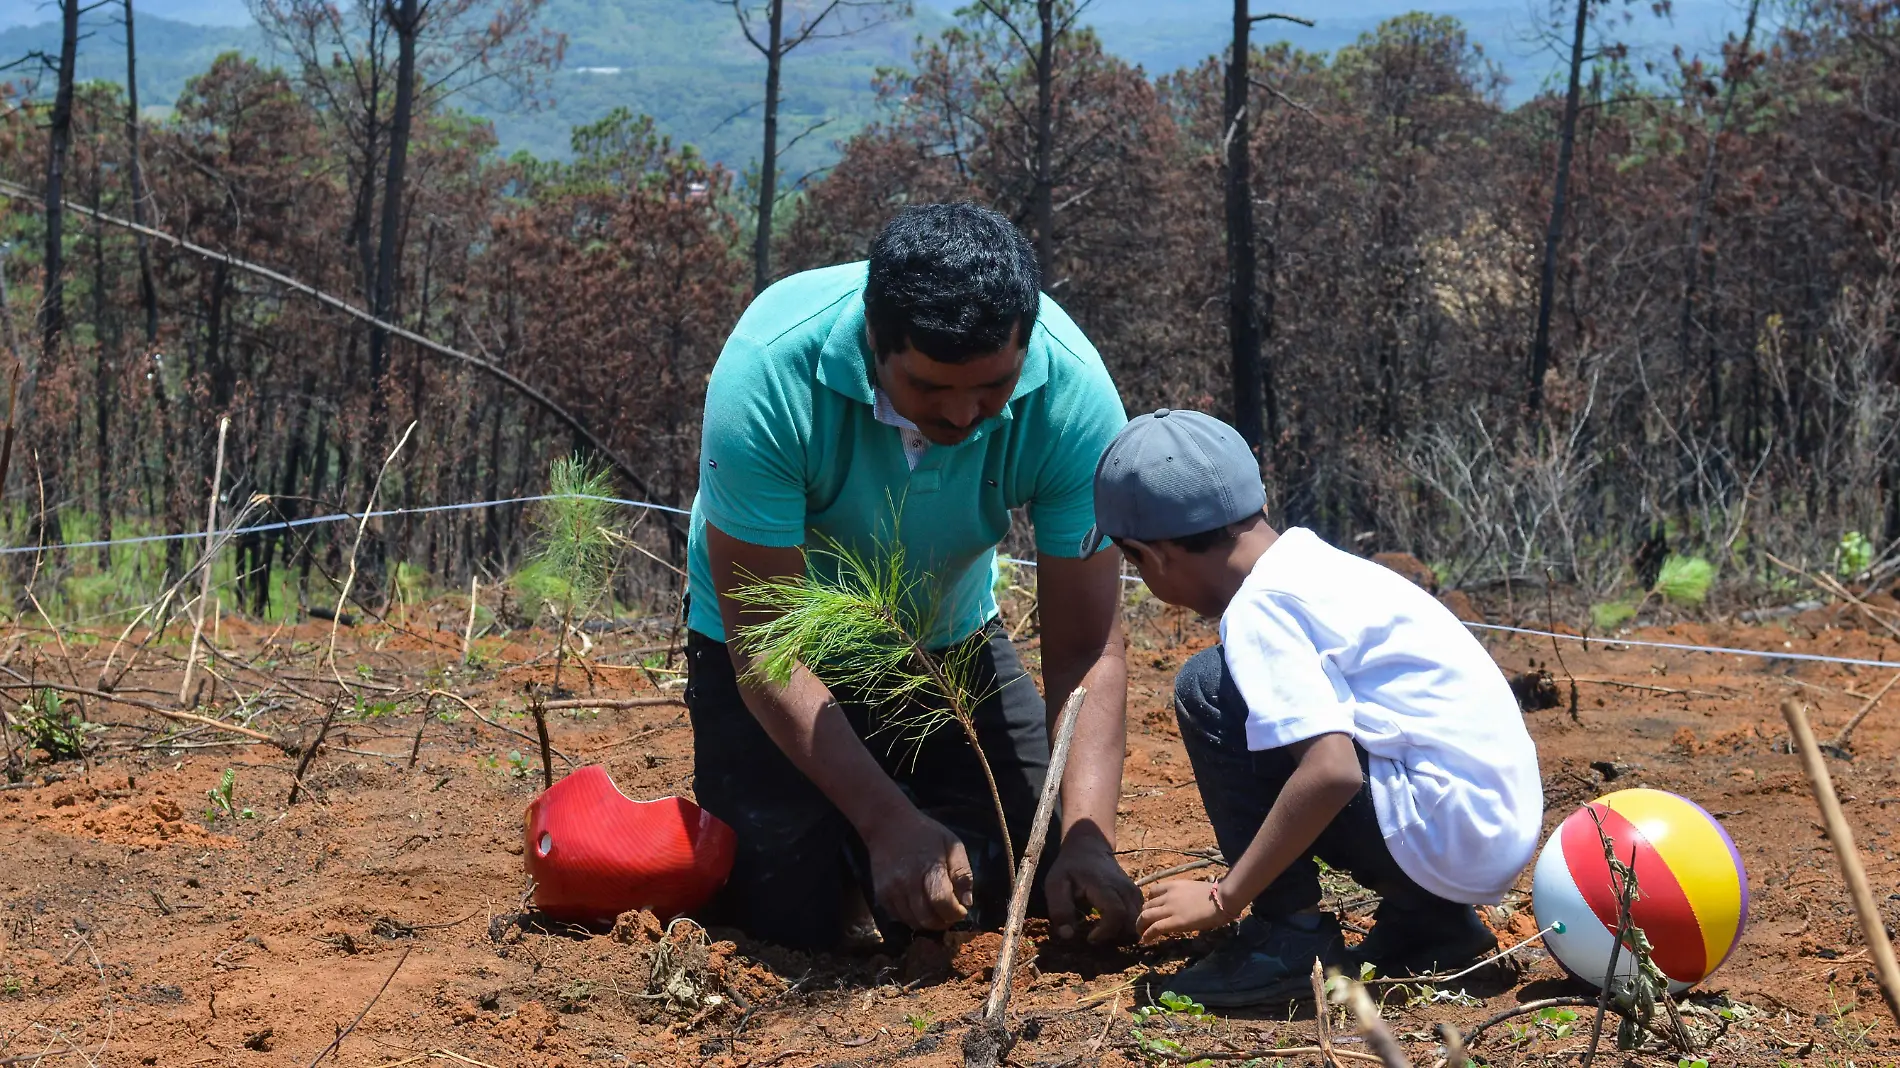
{"points": [[595, 853]]}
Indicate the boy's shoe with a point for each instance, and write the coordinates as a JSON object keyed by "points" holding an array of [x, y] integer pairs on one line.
{"points": [[1407, 942], [1265, 960]]}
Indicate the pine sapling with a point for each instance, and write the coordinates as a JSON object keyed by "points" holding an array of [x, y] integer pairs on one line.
{"points": [[576, 546], [860, 629]]}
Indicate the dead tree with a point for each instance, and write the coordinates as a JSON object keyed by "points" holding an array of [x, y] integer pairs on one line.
{"points": [[1559, 203], [1735, 74], [775, 47], [148, 288], [1252, 378]]}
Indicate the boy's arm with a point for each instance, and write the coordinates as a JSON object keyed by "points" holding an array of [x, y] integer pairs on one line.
{"points": [[1326, 779]]}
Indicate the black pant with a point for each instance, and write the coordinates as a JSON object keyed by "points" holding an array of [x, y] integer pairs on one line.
{"points": [[1239, 786], [798, 854]]}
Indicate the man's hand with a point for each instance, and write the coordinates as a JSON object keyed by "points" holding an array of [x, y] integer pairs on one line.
{"points": [[921, 872], [1180, 906], [1086, 871]]}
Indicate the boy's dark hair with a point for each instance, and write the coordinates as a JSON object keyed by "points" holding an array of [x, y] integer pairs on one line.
{"points": [[1203, 541], [953, 281]]}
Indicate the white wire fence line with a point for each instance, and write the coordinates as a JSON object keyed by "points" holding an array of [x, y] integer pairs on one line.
{"points": [[339, 517], [336, 517]]}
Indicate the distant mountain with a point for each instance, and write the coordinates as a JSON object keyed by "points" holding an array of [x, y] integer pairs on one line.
{"points": [[169, 52], [686, 63]]}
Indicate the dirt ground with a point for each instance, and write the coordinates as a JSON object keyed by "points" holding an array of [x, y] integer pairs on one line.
{"points": [[141, 922]]}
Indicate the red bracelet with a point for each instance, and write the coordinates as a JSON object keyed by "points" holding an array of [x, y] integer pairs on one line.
{"points": [[1213, 894]]}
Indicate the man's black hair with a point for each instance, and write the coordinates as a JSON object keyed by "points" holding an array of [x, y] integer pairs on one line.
{"points": [[953, 281]]}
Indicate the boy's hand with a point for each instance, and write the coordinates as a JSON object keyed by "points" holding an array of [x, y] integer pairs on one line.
{"points": [[1182, 906]]}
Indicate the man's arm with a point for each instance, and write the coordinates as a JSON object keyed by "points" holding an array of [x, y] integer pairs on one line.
{"points": [[1082, 645], [921, 873]]}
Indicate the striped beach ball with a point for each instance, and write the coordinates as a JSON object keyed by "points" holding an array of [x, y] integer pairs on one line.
{"points": [[1692, 891]]}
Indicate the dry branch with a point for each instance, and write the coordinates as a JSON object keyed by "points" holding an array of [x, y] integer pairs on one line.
{"points": [[1847, 730], [1873, 928], [1032, 855], [168, 713], [20, 194], [361, 527], [204, 565]]}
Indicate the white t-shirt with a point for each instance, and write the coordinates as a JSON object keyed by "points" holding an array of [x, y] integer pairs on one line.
{"points": [[1320, 641]]}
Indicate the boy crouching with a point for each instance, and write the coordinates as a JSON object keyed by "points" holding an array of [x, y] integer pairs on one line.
{"points": [[1346, 717]]}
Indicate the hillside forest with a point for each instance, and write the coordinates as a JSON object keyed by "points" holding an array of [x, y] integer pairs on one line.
{"points": [[1626, 320]]}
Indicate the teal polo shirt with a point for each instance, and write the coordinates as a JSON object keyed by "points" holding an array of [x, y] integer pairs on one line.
{"points": [[792, 453]]}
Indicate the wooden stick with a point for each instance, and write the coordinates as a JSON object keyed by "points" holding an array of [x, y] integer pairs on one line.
{"points": [[1322, 1024], [361, 526], [310, 751], [1032, 855], [1840, 738], [204, 577], [468, 631], [541, 733], [1178, 869], [1378, 1036], [613, 702], [1838, 832]]}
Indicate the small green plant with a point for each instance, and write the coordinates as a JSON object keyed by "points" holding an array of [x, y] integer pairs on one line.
{"points": [[518, 765], [1855, 555], [860, 628], [1612, 614], [919, 1021], [49, 726], [1559, 1022], [1685, 580], [10, 987], [1170, 1012], [1684, 1062], [220, 803]]}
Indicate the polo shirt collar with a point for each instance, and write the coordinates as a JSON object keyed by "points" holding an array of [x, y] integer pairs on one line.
{"points": [[844, 365]]}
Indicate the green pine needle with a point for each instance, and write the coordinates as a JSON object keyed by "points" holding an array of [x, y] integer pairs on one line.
{"points": [[577, 542], [1685, 579]]}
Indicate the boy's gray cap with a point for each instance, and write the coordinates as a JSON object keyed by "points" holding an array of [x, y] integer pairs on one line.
{"points": [[1172, 474]]}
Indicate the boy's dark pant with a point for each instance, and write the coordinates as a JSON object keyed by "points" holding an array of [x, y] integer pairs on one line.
{"points": [[1239, 786], [797, 853]]}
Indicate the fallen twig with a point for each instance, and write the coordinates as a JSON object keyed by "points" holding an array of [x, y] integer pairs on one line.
{"points": [[1847, 731], [168, 713], [613, 702], [345, 1033], [510, 730], [1178, 869], [1873, 928], [310, 752]]}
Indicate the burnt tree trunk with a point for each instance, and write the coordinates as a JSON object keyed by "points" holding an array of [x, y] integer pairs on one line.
{"points": [[1559, 203], [60, 138], [406, 21], [1705, 194], [148, 287], [1042, 200], [768, 159], [1243, 311]]}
